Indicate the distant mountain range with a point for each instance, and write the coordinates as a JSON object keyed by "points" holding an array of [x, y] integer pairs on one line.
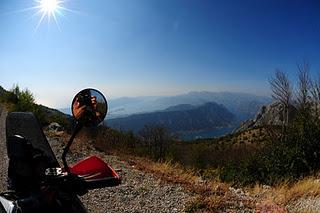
{"points": [[66, 110], [244, 106], [191, 112], [180, 118]]}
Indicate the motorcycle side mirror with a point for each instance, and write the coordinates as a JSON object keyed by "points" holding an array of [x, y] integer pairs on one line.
{"points": [[89, 108]]}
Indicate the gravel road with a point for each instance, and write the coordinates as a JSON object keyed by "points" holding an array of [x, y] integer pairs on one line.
{"points": [[3, 151], [139, 192]]}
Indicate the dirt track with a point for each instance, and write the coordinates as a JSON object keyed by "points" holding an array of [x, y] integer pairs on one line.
{"points": [[3, 151], [139, 191]]}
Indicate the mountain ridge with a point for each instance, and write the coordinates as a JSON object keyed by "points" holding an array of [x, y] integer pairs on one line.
{"points": [[243, 105], [208, 116]]}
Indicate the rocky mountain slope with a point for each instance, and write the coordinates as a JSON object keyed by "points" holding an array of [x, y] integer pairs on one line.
{"points": [[271, 114]]}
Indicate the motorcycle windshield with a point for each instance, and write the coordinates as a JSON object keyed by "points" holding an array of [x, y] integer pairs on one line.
{"points": [[26, 125]]}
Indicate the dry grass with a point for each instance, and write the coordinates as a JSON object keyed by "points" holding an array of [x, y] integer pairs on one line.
{"points": [[215, 196], [308, 187], [287, 193], [208, 196]]}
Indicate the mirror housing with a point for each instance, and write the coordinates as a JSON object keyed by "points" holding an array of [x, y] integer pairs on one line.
{"points": [[89, 107]]}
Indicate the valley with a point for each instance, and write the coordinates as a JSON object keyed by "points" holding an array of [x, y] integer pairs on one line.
{"points": [[190, 116]]}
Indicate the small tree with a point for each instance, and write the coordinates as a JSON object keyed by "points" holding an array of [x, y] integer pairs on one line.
{"points": [[315, 90], [156, 138], [303, 97], [315, 96], [25, 100], [282, 93]]}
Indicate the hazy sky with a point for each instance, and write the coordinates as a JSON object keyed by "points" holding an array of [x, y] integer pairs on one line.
{"points": [[155, 47]]}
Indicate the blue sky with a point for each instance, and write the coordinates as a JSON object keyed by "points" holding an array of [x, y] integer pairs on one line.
{"points": [[155, 47]]}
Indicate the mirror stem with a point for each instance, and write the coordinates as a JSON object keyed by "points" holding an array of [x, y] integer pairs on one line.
{"points": [[78, 127]]}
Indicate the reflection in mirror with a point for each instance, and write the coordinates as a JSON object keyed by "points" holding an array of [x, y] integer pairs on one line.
{"points": [[89, 107]]}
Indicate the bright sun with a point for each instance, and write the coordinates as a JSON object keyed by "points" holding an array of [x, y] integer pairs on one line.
{"points": [[49, 6], [49, 9]]}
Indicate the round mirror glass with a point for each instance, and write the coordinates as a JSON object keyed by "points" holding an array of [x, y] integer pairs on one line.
{"points": [[89, 107]]}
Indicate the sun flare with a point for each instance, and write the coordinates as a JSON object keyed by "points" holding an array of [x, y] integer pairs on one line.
{"points": [[49, 6], [49, 9]]}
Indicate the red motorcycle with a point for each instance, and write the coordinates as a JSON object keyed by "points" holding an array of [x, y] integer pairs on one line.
{"points": [[36, 181]]}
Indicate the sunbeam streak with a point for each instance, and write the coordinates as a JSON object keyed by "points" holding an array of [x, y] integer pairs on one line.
{"points": [[48, 10]]}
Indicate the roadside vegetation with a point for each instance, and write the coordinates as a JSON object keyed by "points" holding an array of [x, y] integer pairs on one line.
{"points": [[209, 158], [18, 100], [266, 155], [291, 150]]}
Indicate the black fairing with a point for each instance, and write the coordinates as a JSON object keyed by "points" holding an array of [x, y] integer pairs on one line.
{"points": [[29, 155], [28, 151], [26, 125]]}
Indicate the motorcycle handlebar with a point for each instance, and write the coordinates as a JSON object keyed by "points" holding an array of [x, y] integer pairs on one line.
{"points": [[80, 185], [101, 183]]}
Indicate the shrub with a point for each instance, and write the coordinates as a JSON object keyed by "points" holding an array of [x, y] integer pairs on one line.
{"points": [[23, 101], [291, 150]]}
